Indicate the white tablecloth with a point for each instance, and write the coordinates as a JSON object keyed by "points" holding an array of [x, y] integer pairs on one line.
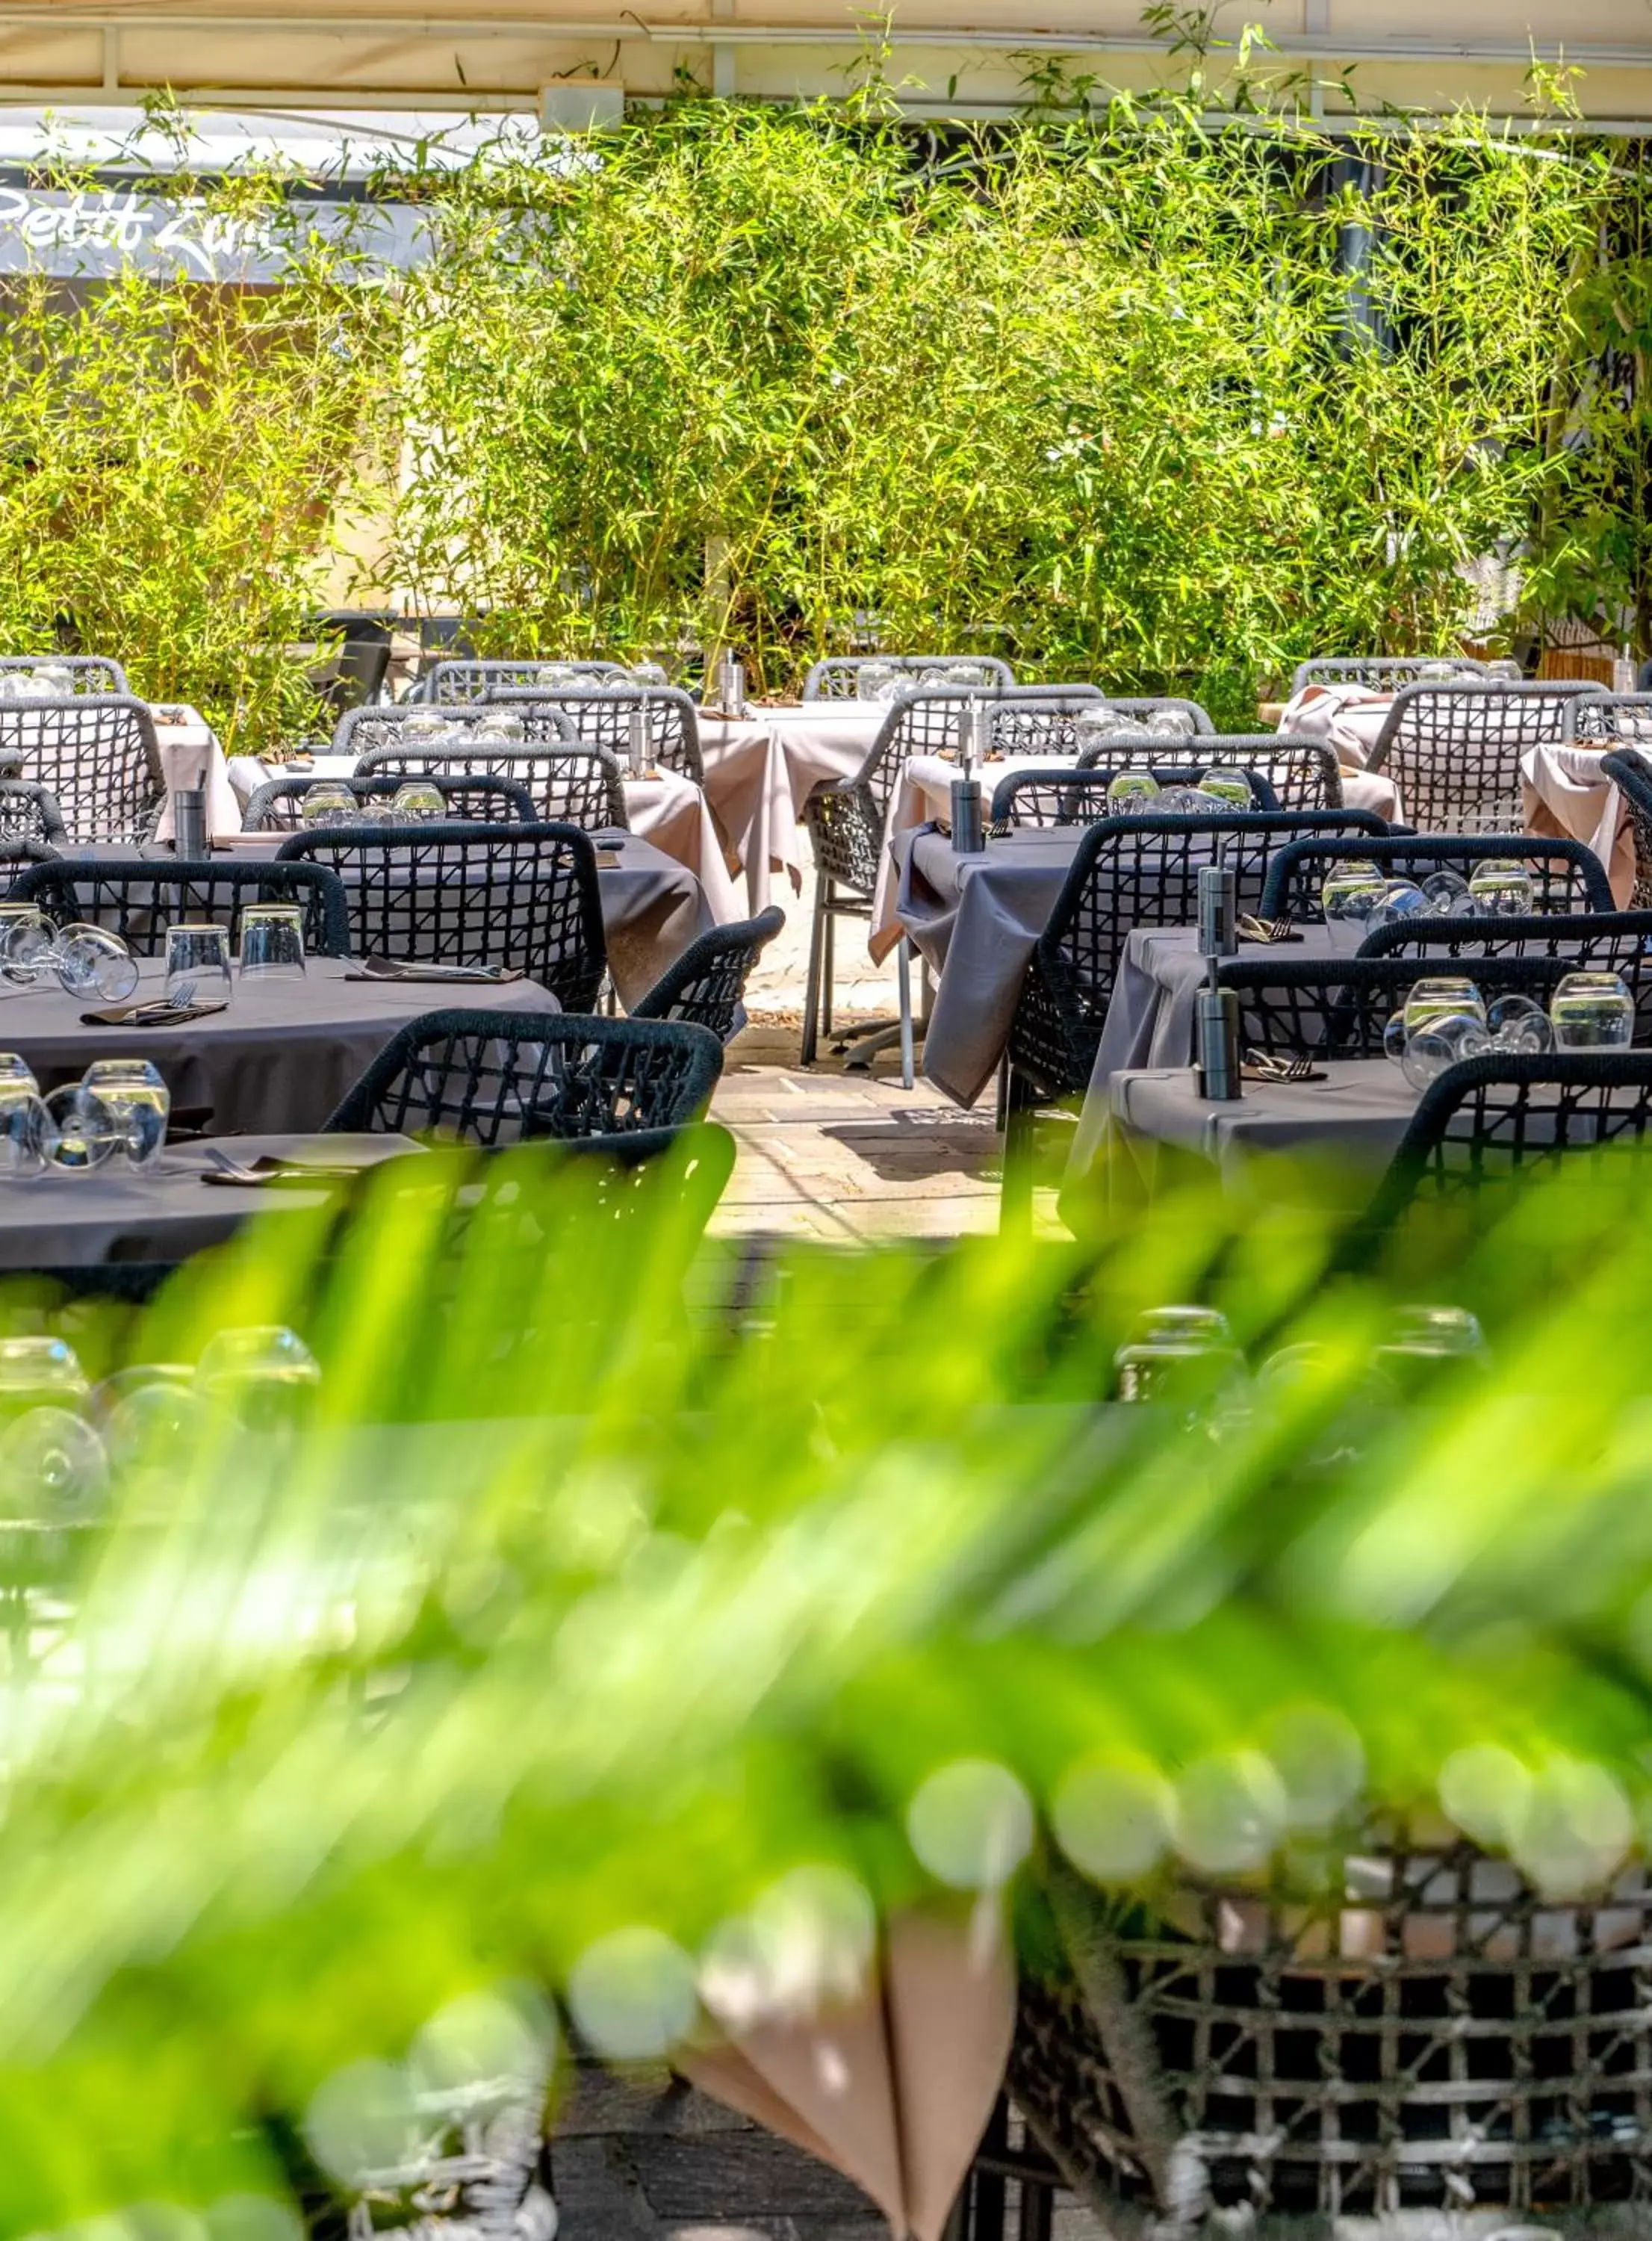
{"points": [[1567, 794], [760, 771], [190, 756], [1349, 719]]}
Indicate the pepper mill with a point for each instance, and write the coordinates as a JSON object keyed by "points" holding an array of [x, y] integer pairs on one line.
{"points": [[1216, 1010], [969, 835], [188, 823]]}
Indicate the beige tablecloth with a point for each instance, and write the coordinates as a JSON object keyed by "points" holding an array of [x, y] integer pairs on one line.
{"points": [[1349, 719], [190, 756], [1567, 796], [760, 772]]}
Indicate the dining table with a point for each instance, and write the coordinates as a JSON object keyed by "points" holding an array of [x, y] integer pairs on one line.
{"points": [[179, 1205], [761, 767], [1567, 795], [280, 1056]]}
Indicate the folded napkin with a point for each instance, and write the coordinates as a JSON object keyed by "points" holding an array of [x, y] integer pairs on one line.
{"points": [[374, 967], [154, 1012], [1268, 930]]}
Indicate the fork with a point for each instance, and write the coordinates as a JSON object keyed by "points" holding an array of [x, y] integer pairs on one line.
{"points": [[1275, 1066], [1251, 928]]}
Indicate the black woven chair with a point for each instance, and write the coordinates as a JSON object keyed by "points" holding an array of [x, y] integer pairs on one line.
{"points": [[28, 812], [1127, 871], [847, 821], [139, 898], [1338, 1007], [98, 754], [601, 718], [1454, 750], [1631, 774], [1303, 774], [566, 783], [837, 677], [361, 732], [1383, 672], [515, 895], [707, 983], [1489, 1124], [87, 672], [455, 682], [1410, 2041], [490, 1078], [1613, 719], [1079, 796], [1567, 875], [277, 806]]}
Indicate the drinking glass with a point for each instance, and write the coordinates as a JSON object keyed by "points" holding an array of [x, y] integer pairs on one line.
{"points": [[1132, 789], [1434, 1334], [16, 1073], [27, 1137], [1443, 1020], [875, 680], [263, 1371], [131, 1090], [558, 676], [27, 938], [198, 965], [272, 942], [1188, 801], [1171, 724], [1517, 1023], [1500, 889], [649, 673], [1170, 1348], [329, 801], [1228, 789], [85, 1133], [1447, 895], [418, 802], [1099, 726], [91, 963], [36, 1371], [1400, 900], [968, 676], [1349, 890], [427, 727], [499, 724], [1592, 1011]]}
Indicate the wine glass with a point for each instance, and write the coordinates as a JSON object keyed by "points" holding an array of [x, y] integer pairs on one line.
{"points": [[1351, 889], [649, 673], [1592, 1011], [27, 1136], [263, 1371], [418, 802], [198, 965], [272, 942], [1173, 1347], [875, 680], [1447, 895], [499, 724], [1171, 724], [91, 961], [27, 940], [428, 727], [1399, 900], [1443, 1020], [1517, 1023], [1132, 789], [329, 801], [86, 1134], [1228, 789], [1501, 889], [132, 1089]]}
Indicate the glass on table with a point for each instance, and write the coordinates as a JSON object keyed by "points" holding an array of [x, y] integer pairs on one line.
{"points": [[27, 940], [1228, 789], [91, 963], [878, 680], [648, 673], [1519, 1024], [1400, 900], [1171, 724], [1592, 1011], [502, 723], [1349, 890], [427, 727], [1133, 788], [198, 965], [1170, 1348], [27, 1136], [132, 1089], [419, 802], [1501, 889], [85, 1133], [1443, 1020], [329, 801], [272, 942], [264, 1372], [1448, 896], [1097, 725]]}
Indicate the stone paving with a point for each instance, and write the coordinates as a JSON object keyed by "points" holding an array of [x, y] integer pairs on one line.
{"points": [[838, 1155]]}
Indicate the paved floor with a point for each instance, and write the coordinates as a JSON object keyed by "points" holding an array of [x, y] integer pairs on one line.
{"points": [[842, 1155]]}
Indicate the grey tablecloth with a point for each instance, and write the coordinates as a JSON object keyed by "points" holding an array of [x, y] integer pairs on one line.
{"points": [[1348, 1125], [167, 1213], [281, 1057], [975, 921], [1150, 1016]]}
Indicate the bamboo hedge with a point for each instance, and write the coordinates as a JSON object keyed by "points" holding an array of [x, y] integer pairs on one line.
{"points": [[1096, 392]]}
